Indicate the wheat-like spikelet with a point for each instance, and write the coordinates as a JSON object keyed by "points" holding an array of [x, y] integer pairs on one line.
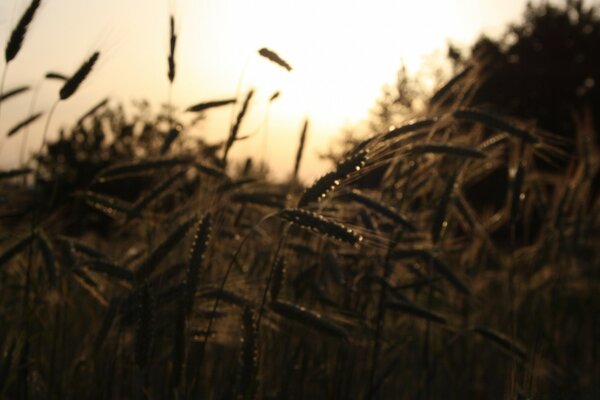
{"points": [[27, 121], [56, 76], [319, 224], [441, 93], [18, 34], [236, 126], [210, 170], [82, 247], [169, 139], [172, 44], [380, 208], [92, 111], [145, 269], [440, 148], [492, 141], [248, 368], [494, 122], [309, 318], [502, 340], [16, 248], [144, 335], [111, 269], [274, 96], [110, 206], [272, 200], [275, 58], [48, 256], [156, 192], [72, 84], [319, 189], [209, 104], [409, 127], [14, 92], [88, 284], [139, 167], [300, 149], [416, 311], [12, 173], [196, 261]]}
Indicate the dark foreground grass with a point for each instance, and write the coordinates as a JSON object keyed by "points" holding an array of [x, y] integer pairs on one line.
{"points": [[437, 260]]}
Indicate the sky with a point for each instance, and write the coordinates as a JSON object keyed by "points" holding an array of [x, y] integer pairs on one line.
{"points": [[342, 53]]}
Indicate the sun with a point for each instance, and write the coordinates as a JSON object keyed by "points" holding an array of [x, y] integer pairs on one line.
{"points": [[341, 53]]}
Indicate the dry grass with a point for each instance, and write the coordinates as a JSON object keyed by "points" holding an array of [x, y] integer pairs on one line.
{"points": [[411, 270]]}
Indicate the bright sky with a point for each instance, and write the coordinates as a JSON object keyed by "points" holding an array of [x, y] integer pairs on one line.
{"points": [[342, 52]]}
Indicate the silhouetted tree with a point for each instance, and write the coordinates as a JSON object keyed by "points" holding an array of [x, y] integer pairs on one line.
{"points": [[543, 68]]}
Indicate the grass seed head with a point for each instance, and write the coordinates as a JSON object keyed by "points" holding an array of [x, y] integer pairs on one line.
{"points": [[319, 224], [275, 58], [73, 83], [18, 34], [319, 189]]}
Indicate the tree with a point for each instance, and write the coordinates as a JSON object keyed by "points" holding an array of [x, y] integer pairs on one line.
{"points": [[544, 68]]}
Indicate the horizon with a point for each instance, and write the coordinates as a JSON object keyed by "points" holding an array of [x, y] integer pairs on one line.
{"points": [[217, 53]]}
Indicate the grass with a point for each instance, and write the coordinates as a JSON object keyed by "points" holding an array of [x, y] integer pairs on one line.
{"points": [[130, 273]]}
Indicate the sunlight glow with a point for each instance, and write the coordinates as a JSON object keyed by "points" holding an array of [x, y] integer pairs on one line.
{"points": [[342, 53]]}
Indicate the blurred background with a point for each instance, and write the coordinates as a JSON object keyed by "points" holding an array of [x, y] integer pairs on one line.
{"points": [[342, 53], [455, 257]]}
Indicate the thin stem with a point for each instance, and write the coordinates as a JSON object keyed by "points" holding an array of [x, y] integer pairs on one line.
{"points": [[271, 272], [23, 371], [25, 138], [238, 90], [1, 93], [427, 346], [221, 287], [47, 126], [224, 281], [170, 105], [37, 172], [380, 319], [264, 155]]}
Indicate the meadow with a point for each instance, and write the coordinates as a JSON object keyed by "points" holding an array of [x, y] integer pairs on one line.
{"points": [[440, 259]]}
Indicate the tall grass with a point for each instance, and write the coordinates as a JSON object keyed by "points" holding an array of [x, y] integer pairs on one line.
{"points": [[436, 260]]}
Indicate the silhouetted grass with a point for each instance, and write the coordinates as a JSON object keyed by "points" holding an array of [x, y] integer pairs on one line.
{"points": [[391, 276]]}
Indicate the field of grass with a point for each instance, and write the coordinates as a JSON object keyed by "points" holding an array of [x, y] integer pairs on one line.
{"points": [[443, 259]]}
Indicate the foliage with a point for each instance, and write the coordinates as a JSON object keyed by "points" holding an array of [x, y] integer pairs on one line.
{"points": [[541, 69], [133, 269]]}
